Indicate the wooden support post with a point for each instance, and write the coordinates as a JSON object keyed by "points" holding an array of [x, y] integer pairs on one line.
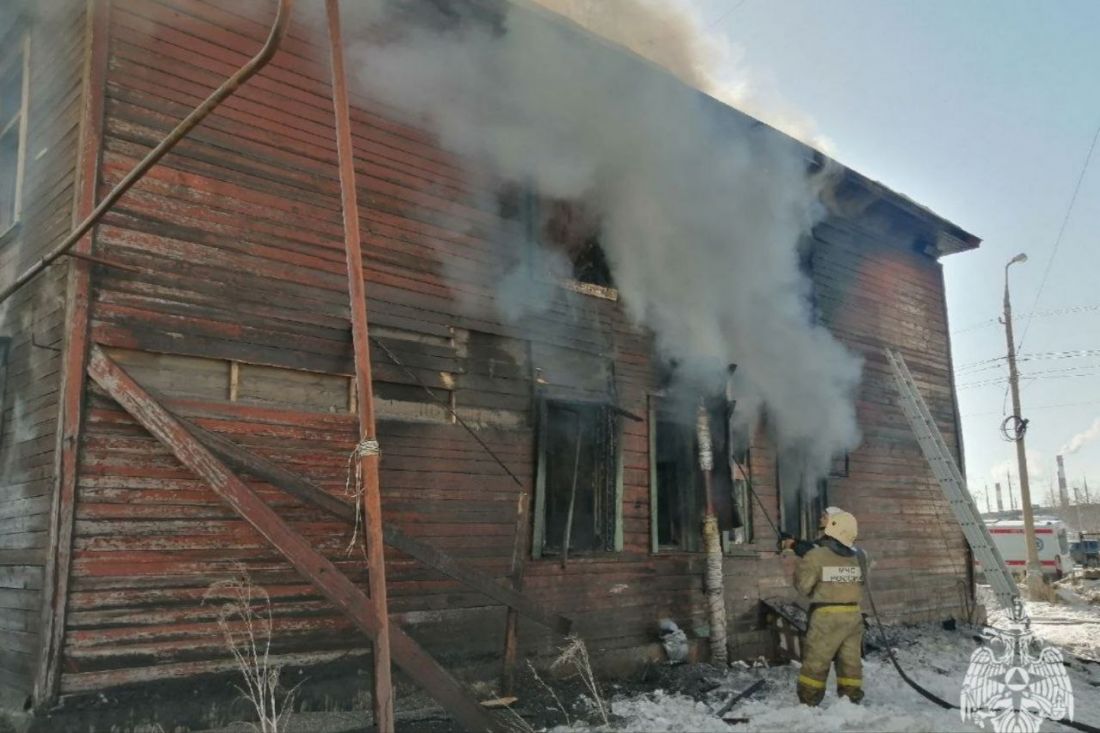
{"points": [[313, 566], [372, 502], [245, 461], [71, 414], [511, 622]]}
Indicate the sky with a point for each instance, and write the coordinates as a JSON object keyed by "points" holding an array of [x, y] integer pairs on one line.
{"points": [[984, 111]]}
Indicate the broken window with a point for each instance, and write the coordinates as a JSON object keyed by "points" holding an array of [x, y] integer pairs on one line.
{"points": [[574, 229], [13, 130], [840, 466], [678, 499], [578, 482], [802, 499], [562, 236], [742, 498]]}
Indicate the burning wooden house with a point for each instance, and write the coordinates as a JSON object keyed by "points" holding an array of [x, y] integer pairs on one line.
{"points": [[294, 318]]}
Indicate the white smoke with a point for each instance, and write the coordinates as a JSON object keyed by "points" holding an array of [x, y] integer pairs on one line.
{"points": [[702, 210], [1077, 442], [664, 33]]}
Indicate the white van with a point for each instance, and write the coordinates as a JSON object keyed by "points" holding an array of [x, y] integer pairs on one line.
{"points": [[1050, 539]]}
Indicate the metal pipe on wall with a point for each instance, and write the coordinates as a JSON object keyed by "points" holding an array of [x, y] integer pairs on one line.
{"points": [[219, 95], [360, 335]]}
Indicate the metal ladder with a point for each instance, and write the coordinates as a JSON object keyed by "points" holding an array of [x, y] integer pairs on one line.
{"points": [[946, 471]]}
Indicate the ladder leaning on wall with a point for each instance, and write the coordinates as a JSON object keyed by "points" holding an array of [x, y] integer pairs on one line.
{"points": [[947, 473]]}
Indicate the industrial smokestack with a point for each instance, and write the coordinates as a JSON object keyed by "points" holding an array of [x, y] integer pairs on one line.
{"points": [[1000, 503], [1063, 491]]}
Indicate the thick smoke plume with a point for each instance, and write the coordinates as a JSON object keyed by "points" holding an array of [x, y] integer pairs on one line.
{"points": [[661, 31], [702, 210], [1077, 442]]}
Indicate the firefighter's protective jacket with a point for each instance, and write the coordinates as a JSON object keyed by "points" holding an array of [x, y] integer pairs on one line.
{"points": [[830, 573]]}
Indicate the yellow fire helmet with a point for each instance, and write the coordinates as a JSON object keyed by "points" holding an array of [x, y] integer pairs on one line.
{"points": [[843, 528]]}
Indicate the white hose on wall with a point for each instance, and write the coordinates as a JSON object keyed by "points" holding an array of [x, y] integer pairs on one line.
{"points": [[713, 582]]}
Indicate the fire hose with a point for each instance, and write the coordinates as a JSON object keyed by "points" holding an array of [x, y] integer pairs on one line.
{"points": [[922, 691]]}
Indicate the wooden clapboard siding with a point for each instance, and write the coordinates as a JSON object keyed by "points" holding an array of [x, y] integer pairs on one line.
{"points": [[237, 241], [873, 291], [34, 319]]}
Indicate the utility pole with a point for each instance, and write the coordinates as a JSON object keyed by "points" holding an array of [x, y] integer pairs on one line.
{"points": [[1011, 496], [1035, 581]]}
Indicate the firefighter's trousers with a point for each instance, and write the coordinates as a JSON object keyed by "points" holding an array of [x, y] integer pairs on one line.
{"points": [[836, 632]]}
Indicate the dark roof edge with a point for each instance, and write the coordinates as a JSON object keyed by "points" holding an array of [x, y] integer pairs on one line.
{"points": [[949, 237]]}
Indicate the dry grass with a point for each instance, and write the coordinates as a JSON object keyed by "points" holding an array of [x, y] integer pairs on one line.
{"points": [[574, 662], [244, 617], [548, 688]]}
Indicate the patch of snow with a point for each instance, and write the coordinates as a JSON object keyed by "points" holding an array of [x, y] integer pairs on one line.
{"points": [[934, 658], [1073, 624]]}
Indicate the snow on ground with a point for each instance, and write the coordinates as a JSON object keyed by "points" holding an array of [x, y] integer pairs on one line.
{"points": [[935, 658], [1072, 624]]}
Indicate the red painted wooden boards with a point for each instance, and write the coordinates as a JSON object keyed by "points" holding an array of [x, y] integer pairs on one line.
{"points": [[59, 560], [312, 565], [243, 460]]}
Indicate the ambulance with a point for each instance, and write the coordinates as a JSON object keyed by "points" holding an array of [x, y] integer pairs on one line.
{"points": [[1050, 539]]}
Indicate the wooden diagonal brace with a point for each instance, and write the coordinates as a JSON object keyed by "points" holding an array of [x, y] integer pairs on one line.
{"points": [[241, 459], [315, 567]]}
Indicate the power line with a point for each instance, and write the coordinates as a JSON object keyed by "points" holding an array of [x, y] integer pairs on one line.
{"points": [[1021, 316], [994, 362], [1036, 407], [1084, 370], [1061, 231]]}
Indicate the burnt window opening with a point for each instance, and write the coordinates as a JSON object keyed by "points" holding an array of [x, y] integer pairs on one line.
{"points": [[681, 498], [678, 490], [574, 229], [807, 261], [577, 482], [562, 236], [840, 466], [802, 500], [13, 127]]}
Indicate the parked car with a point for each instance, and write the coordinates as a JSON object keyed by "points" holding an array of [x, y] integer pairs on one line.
{"points": [[1085, 552]]}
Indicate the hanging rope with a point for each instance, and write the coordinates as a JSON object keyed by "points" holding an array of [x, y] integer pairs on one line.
{"points": [[353, 488]]}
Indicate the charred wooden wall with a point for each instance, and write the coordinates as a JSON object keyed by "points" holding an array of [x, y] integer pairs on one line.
{"points": [[235, 312], [33, 318]]}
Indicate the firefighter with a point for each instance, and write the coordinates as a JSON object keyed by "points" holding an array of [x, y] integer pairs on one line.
{"points": [[832, 576], [801, 547]]}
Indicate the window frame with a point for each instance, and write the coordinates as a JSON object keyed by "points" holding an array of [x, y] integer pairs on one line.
{"points": [[539, 549], [22, 60], [808, 515], [729, 546], [529, 210]]}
